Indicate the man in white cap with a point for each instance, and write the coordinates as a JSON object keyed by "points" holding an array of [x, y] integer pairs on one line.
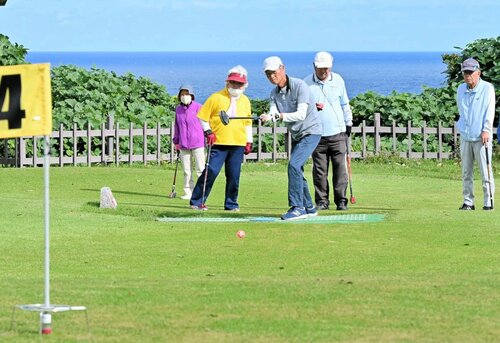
{"points": [[476, 106], [291, 102], [330, 96], [228, 142]]}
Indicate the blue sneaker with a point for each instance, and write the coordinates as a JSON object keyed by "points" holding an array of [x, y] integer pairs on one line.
{"points": [[312, 211], [295, 213]]}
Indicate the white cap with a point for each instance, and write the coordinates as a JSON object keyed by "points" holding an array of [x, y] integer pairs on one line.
{"points": [[272, 63], [323, 60]]}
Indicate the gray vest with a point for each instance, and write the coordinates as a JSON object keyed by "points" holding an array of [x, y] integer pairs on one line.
{"points": [[296, 92]]}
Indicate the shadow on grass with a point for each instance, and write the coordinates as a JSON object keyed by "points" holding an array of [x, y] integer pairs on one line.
{"points": [[182, 210], [127, 192]]}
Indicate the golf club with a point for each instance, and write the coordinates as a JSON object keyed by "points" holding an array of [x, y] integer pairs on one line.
{"points": [[489, 176], [348, 159], [173, 194], [209, 150], [225, 119]]}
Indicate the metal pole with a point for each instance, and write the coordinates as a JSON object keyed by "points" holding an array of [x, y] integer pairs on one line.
{"points": [[46, 317], [47, 210]]}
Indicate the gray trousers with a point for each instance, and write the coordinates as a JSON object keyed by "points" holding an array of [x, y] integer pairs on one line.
{"points": [[330, 149], [470, 152]]}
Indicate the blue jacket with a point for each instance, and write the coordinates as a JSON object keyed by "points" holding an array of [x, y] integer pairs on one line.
{"points": [[477, 110]]}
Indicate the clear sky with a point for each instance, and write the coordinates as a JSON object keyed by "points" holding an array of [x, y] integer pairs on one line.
{"points": [[248, 25]]}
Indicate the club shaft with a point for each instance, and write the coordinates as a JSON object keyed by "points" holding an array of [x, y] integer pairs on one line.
{"points": [[488, 167], [348, 158], [209, 151], [253, 118]]}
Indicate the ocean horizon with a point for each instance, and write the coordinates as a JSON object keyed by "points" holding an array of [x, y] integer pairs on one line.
{"points": [[380, 72]]}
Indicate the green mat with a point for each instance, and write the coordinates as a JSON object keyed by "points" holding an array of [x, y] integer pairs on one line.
{"points": [[344, 218]]}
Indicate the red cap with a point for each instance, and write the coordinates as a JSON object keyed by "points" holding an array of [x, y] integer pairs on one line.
{"points": [[237, 77]]}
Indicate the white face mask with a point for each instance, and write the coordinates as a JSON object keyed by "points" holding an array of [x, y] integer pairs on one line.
{"points": [[235, 92], [186, 99]]}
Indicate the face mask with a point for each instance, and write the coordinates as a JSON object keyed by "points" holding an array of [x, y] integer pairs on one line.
{"points": [[235, 92], [186, 99]]}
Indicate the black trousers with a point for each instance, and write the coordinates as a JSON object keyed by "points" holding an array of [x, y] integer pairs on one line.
{"points": [[330, 150]]}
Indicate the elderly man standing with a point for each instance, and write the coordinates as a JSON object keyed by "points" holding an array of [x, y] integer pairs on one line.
{"points": [[476, 106], [227, 143], [291, 102], [330, 96]]}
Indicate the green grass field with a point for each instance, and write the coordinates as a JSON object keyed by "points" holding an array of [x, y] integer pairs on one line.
{"points": [[427, 273]]}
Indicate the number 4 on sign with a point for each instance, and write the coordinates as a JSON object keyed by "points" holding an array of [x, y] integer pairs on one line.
{"points": [[25, 101], [10, 98]]}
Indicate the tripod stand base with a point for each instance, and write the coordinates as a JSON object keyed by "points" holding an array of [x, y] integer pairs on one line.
{"points": [[46, 314]]}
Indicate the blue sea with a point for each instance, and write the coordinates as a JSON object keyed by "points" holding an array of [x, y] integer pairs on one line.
{"points": [[381, 72]]}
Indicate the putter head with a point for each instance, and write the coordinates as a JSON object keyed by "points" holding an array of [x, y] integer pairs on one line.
{"points": [[172, 195], [353, 199], [224, 118]]}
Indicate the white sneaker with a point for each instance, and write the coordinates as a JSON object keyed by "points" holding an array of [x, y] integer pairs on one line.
{"points": [[186, 197]]}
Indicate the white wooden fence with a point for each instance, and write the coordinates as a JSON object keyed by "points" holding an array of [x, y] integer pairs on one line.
{"points": [[110, 147]]}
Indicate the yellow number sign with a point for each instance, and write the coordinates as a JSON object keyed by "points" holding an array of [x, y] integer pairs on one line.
{"points": [[25, 100]]}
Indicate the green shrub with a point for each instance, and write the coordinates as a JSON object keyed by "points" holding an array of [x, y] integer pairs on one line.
{"points": [[11, 54]]}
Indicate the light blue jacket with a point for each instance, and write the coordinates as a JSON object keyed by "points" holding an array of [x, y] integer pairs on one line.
{"points": [[333, 95], [477, 110]]}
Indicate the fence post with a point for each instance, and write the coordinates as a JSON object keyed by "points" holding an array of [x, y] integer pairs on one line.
{"points": [[377, 133], [456, 149], [158, 143], [275, 141], [34, 151], [75, 140], [110, 123], [130, 143], [117, 144], [259, 141], [16, 150], [172, 147], [394, 139], [409, 139], [424, 139], [103, 143], [363, 143], [61, 145], [89, 145], [440, 142], [22, 152], [145, 142]]}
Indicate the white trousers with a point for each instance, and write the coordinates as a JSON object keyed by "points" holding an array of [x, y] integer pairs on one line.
{"points": [[199, 158], [470, 152]]}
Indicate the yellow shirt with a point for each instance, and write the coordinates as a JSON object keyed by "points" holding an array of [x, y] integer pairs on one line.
{"points": [[233, 133]]}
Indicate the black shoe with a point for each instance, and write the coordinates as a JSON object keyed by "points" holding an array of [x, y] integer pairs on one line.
{"points": [[342, 206], [487, 208], [466, 207], [322, 206]]}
